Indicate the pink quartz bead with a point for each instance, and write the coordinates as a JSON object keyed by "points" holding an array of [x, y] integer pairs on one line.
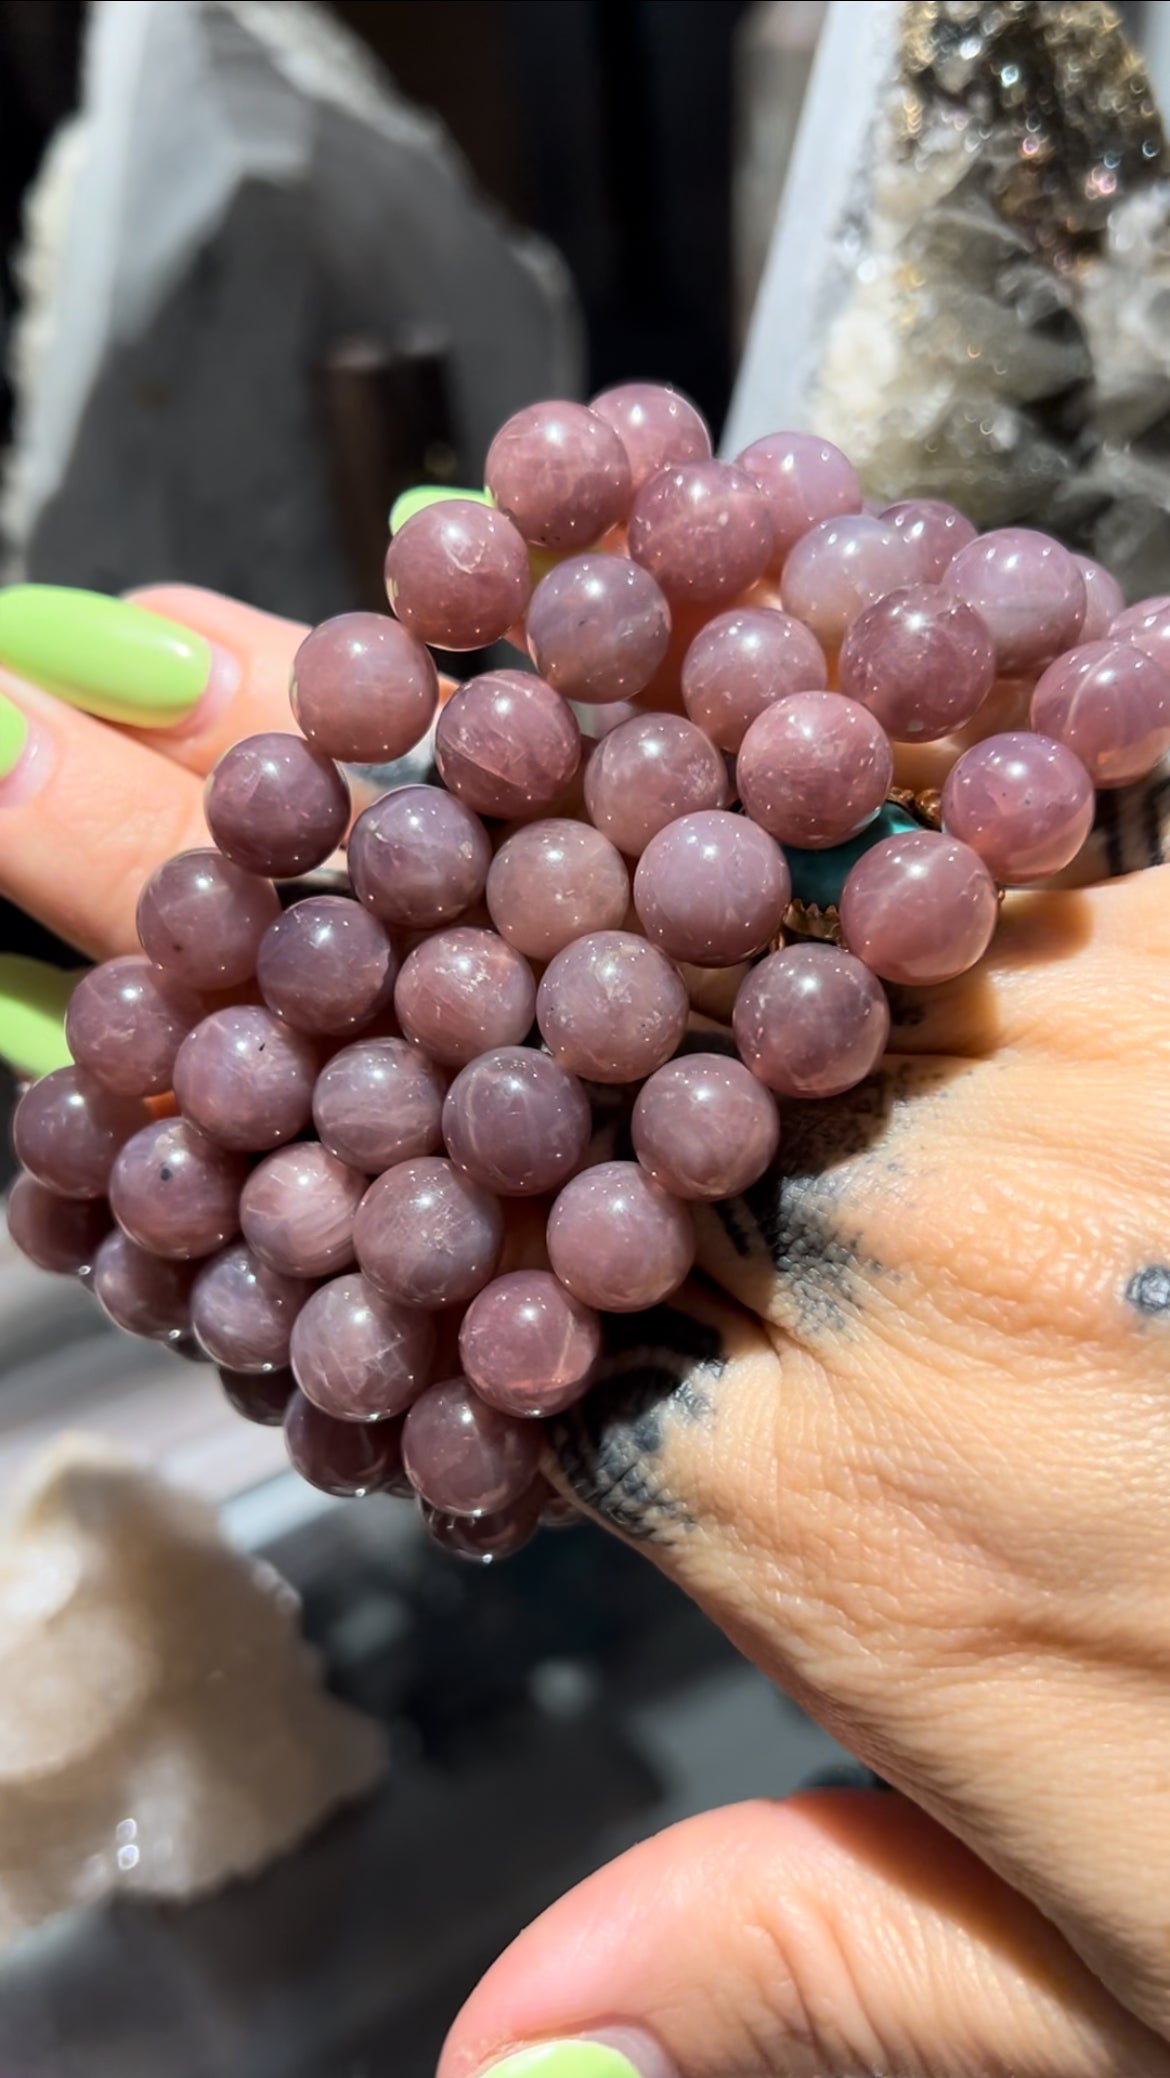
{"points": [[611, 1007], [62, 1235], [358, 1356], [246, 1080], [921, 660], [458, 574], [1023, 802], [839, 568], [258, 1396], [811, 1021], [379, 1102], [527, 1345], [555, 881], [560, 473], [617, 1241], [647, 772], [657, 427], [427, 1236], [126, 1022], [143, 1293], [363, 690], [1104, 600], [598, 628], [805, 480], [506, 744], [936, 532], [1028, 590], [346, 1458], [418, 858], [741, 662], [919, 907], [711, 889], [276, 806], [1108, 702], [463, 992], [243, 1312], [702, 530], [297, 1210], [516, 1122], [175, 1192], [484, 1540], [703, 1127], [1147, 626], [201, 919], [466, 1457], [814, 769], [67, 1129], [326, 965]]}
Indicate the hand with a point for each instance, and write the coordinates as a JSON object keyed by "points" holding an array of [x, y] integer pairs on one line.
{"points": [[906, 1439]]}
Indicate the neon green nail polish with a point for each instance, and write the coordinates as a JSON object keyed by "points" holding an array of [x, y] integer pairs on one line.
{"points": [[424, 494], [104, 655], [33, 1001], [13, 736], [564, 2060]]}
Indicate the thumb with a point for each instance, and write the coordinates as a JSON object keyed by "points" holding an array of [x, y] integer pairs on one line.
{"points": [[839, 1933]]}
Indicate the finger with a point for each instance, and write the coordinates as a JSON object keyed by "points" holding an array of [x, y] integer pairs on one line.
{"points": [[249, 696], [839, 1933]]}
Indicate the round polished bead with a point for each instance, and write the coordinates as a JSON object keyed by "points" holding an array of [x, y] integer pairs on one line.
{"points": [[711, 889], [1104, 600], [142, 1292], [297, 1210], [804, 480], [465, 1457], [458, 574], [242, 1312], [814, 769], [516, 1122], [202, 919], [921, 660], [1027, 589], [379, 1102], [839, 568], [702, 530], [276, 806], [63, 1235], [463, 992], [483, 1540], [611, 1007], [656, 426], [125, 1023], [703, 1127], [527, 1345], [427, 1236], [560, 473], [819, 876], [258, 1396], [326, 966], [363, 690], [617, 1241], [1023, 802], [741, 662], [67, 1129], [811, 1021], [598, 627], [245, 1079], [346, 1458], [919, 908], [648, 771], [554, 881], [176, 1192], [1147, 626], [935, 531], [358, 1356], [418, 858], [506, 744], [1108, 702]]}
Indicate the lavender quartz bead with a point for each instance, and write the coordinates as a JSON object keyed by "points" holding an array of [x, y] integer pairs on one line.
{"points": [[201, 919], [611, 1007], [346, 1458], [814, 769], [703, 1127], [379, 1102], [1109, 703], [516, 1122], [936, 532], [839, 568], [811, 1021], [62, 1235], [560, 473], [1147, 626], [326, 965], [1023, 802], [921, 660], [276, 806], [418, 858], [1104, 599], [741, 662], [297, 1211], [67, 1129], [246, 1080], [358, 1356], [804, 480], [458, 574], [527, 1345], [463, 992], [1028, 590], [484, 1540], [126, 1022], [141, 1292], [920, 907], [702, 530], [258, 1396], [648, 771], [598, 628], [465, 1457], [554, 881], [656, 426], [242, 1312], [617, 1241], [711, 889], [363, 690], [427, 1236], [506, 744], [175, 1192]]}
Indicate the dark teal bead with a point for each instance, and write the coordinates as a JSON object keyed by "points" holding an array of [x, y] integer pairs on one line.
{"points": [[819, 876]]}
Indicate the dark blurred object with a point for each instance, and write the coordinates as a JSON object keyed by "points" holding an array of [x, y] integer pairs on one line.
{"points": [[388, 426], [40, 43]]}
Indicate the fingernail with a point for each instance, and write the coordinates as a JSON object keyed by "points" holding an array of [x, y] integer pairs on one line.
{"points": [[33, 1001], [13, 736], [423, 494], [579, 2059], [110, 658]]}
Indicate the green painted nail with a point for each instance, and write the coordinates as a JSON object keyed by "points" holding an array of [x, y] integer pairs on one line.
{"points": [[424, 494], [13, 736], [564, 2060], [110, 658], [33, 1001]]}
